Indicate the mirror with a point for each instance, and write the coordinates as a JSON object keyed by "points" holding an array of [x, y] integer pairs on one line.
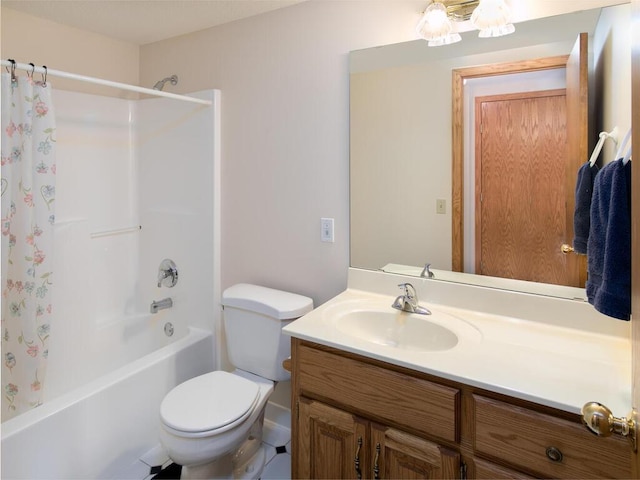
{"points": [[401, 135]]}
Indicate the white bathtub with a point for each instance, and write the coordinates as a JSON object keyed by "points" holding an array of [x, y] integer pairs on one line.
{"points": [[98, 429]]}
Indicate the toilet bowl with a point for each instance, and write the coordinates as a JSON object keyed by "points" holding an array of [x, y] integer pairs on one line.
{"points": [[212, 424], [205, 421]]}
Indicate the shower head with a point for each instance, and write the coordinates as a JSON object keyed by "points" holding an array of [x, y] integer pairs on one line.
{"points": [[160, 85]]}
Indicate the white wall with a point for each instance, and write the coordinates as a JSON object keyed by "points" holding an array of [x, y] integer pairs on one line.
{"points": [[400, 164], [611, 45], [26, 39]]}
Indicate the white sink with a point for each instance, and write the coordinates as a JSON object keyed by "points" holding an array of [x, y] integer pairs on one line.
{"points": [[397, 329]]}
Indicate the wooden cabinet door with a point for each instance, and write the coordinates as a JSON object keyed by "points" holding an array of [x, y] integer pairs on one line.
{"points": [[328, 442], [396, 454]]}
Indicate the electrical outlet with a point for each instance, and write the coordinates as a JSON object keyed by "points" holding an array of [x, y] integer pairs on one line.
{"points": [[441, 206], [326, 230]]}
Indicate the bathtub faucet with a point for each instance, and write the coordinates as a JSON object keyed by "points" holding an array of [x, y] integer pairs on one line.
{"points": [[161, 305]]}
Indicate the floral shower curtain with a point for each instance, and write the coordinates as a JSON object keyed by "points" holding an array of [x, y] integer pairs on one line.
{"points": [[28, 193]]}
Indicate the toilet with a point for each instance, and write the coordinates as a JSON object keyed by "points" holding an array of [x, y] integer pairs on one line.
{"points": [[212, 424]]}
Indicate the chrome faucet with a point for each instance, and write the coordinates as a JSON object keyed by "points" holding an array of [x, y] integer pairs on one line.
{"points": [[426, 271], [161, 305], [409, 301]]}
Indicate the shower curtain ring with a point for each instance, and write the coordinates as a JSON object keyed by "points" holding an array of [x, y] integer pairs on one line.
{"points": [[13, 69], [44, 76], [33, 69]]}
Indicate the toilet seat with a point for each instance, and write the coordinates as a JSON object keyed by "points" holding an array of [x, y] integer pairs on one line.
{"points": [[209, 404]]}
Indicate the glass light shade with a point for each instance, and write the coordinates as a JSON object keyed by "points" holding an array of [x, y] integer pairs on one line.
{"points": [[492, 18], [446, 40], [435, 26]]}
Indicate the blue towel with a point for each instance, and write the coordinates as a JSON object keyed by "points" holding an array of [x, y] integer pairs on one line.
{"points": [[582, 212], [609, 244]]}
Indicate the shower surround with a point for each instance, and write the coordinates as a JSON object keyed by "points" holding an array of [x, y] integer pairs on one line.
{"points": [[123, 164]]}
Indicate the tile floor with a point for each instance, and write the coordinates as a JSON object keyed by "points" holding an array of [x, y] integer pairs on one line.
{"points": [[276, 439]]}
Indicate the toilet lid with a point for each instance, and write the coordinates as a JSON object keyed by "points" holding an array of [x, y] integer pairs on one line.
{"points": [[208, 402]]}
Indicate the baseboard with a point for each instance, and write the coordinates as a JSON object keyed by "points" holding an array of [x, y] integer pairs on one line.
{"points": [[278, 414]]}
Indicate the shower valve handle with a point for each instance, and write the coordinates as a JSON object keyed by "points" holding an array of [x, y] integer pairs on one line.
{"points": [[167, 273]]}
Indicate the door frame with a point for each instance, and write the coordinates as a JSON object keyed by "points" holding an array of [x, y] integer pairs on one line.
{"points": [[457, 122], [635, 218]]}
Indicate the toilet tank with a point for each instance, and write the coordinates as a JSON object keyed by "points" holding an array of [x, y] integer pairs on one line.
{"points": [[253, 320]]}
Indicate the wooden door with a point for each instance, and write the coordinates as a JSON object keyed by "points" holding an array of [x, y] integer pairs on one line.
{"points": [[328, 441], [396, 454], [521, 150], [580, 139], [635, 220]]}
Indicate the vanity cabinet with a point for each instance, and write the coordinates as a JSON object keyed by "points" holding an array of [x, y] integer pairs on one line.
{"points": [[356, 417], [334, 443]]}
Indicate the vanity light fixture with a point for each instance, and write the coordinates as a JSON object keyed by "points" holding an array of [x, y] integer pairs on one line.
{"points": [[435, 26], [491, 17]]}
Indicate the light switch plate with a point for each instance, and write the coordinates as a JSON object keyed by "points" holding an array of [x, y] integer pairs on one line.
{"points": [[326, 230]]}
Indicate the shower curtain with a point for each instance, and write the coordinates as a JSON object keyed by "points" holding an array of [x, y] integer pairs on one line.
{"points": [[28, 193]]}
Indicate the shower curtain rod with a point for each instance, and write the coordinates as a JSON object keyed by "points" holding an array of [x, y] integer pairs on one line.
{"points": [[99, 81]]}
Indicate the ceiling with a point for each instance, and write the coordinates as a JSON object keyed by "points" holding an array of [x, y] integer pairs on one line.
{"points": [[144, 21]]}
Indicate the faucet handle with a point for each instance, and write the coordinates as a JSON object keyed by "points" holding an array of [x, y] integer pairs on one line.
{"points": [[167, 270], [409, 291]]}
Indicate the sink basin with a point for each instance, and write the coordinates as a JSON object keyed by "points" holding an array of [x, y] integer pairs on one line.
{"points": [[397, 329]]}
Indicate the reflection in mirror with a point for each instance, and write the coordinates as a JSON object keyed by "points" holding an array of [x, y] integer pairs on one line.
{"points": [[515, 196], [401, 135]]}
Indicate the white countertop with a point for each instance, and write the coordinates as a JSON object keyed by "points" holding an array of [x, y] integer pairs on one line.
{"points": [[554, 365]]}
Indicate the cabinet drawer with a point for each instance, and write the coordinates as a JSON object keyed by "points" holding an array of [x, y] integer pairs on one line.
{"points": [[530, 440], [490, 471], [383, 395]]}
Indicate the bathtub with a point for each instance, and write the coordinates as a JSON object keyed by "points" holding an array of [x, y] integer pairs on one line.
{"points": [[97, 430]]}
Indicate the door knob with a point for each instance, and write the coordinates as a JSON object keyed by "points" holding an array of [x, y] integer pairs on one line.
{"points": [[600, 421], [565, 248]]}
